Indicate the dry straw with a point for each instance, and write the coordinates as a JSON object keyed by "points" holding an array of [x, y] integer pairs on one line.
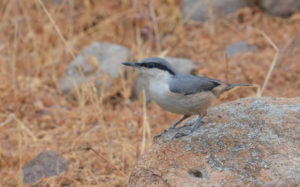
{"points": [[271, 69], [101, 136]]}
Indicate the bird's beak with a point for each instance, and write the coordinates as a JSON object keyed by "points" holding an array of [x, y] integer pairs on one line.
{"points": [[132, 64]]}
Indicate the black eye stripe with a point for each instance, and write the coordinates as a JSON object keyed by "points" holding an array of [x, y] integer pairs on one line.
{"points": [[148, 65], [158, 66]]}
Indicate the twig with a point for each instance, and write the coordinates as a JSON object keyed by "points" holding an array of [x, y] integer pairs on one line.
{"points": [[155, 27], [191, 12], [13, 117], [15, 48], [20, 127], [107, 161], [20, 148]]}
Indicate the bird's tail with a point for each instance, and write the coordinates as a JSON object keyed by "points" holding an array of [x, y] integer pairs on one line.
{"points": [[230, 86], [226, 87], [238, 85]]}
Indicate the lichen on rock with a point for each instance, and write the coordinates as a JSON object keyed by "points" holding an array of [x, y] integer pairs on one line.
{"points": [[253, 141]]}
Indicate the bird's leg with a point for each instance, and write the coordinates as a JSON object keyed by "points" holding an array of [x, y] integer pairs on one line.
{"points": [[178, 122], [173, 126], [194, 126], [196, 123]]}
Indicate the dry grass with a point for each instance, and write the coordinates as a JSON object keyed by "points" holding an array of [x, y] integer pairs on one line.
{"points": [[102, 136]]}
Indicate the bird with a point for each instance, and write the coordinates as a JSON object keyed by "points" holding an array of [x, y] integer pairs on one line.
{"points": [[180, 93]]}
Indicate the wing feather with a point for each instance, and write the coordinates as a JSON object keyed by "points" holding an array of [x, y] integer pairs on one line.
{"points": [[189, 84]]}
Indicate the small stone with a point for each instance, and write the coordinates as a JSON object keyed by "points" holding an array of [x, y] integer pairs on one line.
{"points": [[248, 146], [182, 65], [99, 63], [199, 10], [282, 8], [239, 48], [74, 3], [45, 164]]}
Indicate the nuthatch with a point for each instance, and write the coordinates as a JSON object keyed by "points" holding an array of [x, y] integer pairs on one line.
{"points": [[180, 93]]}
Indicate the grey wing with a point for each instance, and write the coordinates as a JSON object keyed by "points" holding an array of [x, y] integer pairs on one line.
{"points": [[188, 84]]}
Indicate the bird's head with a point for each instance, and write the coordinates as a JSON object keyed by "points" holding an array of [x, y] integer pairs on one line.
{"points": [[153, 67]]}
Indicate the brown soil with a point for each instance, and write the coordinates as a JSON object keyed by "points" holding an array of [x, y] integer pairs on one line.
{"points": [[101, 137]]}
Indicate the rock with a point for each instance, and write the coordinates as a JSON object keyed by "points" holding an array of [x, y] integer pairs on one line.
{"points": [[238, 48], [74, 3], [56, 2], [45, 164], [280, 7], [199, 10], [182, 65], [248, 142], [97, 62]]}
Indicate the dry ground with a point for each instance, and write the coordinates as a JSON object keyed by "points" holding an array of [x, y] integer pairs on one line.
{"points": [[101, 137]]}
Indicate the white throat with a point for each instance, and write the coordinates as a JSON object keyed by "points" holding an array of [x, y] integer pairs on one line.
{"points": [[159, 86]]}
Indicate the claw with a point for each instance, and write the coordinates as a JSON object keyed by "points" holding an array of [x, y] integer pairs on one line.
{"points": [[172, 126], [190, 130], [160, 134]]}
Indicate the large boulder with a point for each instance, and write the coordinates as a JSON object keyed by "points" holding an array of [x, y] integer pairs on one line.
{"points": [[98, 63], [252, 141], [199, 10]]}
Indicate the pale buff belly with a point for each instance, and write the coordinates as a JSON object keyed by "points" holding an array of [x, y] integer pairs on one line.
{"points": [[179, 103]]}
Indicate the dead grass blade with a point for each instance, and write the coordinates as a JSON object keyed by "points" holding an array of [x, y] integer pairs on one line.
{"points": [[146, 138], [12, 117], [56, 28], [107, 161], [274, 61]]}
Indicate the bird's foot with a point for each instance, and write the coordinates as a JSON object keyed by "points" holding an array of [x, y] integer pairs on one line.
{"points": [[160, 134], [181, 131], [172, 126], [190, 130], [164, 132]]}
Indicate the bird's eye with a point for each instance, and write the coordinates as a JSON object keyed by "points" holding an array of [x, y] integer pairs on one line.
{"points": [[144, 65]]}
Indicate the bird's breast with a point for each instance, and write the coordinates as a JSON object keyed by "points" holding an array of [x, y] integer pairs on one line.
{"points": [[159, 91]]}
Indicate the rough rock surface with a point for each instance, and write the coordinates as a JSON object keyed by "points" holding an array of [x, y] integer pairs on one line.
{"points": [[58, 2], [199, 9], [74, 3], [97, 63], [280, 7], [182, 65], [238, 48], [252, 141], [45, 164]]}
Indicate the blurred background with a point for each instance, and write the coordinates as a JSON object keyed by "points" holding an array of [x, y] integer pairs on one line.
{"points": [[66, 101]]}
